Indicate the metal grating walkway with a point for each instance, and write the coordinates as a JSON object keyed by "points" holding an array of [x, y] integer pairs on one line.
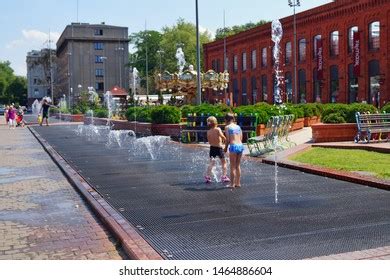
{"points": [[184, 219]]}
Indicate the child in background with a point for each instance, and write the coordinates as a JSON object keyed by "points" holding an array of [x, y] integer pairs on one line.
{"points": [[216, 139]]}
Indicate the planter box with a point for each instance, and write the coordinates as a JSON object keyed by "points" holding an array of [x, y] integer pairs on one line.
{"points": [[173, 130], [96, 121], [334, 132], [298, 124], [69, 117], [309, 121]]}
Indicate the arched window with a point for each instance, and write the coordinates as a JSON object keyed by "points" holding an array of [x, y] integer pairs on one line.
{"points": [[374, 80], [302, 50], [288, 57], [315, 45], [316, 86], [302, 85], [353, 85], [254, 90], [351, 31], [334, 43], [374, 35], [288, 83], [264, 88], [244, 99], [334, 83], [264, 57]]}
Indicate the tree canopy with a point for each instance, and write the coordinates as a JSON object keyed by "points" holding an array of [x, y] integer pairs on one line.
{"points": [[13, 89], [228, 31], [162, 46]]}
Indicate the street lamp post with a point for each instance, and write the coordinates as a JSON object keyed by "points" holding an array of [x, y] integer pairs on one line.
{"points": [[104, 58], [160, 52], [295, 3], [199, 85], [69, 79], [120, 65]]}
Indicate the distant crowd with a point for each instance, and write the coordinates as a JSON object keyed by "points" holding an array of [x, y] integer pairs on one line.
{"points": [[14, 116]]}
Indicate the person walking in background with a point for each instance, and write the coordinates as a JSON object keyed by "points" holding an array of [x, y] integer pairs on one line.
{"points": [[6, 114], [11, 117], [216, 139], [233, 134], [45, 112]]}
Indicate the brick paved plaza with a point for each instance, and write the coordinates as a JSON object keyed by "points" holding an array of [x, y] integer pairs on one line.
{"points": [[41, 215]]}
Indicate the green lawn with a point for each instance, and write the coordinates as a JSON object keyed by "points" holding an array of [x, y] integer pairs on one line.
{"points": [[347, 160]]}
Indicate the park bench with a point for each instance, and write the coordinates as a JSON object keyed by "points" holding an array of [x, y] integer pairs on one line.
{"points": [[369, 124], [275, 137], [196, 129]]}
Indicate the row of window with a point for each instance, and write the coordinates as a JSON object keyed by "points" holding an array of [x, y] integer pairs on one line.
{"points": [[374, 79], [334, 48]]}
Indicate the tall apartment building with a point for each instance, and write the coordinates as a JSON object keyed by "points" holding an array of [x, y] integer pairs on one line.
{"points": [[92, 55], [39, 66]]}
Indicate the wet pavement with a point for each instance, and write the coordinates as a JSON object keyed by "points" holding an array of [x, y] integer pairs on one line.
{"points": [[41, 215], [159, 189]]}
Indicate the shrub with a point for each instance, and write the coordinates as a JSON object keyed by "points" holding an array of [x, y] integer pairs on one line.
{"points": [[333, 118], [101, 113], [141, 114], [358, 107], [186, 109], [386, 108], [75, 111], [341, 109], [310, 109], [165, 114]]}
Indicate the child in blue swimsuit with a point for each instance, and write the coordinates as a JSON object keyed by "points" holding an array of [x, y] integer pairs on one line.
{"points": [[233, 134]]}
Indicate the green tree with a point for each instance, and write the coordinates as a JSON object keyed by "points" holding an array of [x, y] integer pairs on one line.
{"points": [[17, 90], [182, 34], [228, 31]]}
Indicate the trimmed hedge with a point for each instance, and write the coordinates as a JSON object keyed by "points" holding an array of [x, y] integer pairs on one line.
{"points": [[140, 114], [165, 114], [345, 112], [100, 113]]}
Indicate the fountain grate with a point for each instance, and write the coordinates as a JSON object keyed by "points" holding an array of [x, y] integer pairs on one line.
{"points": [[186, 219]]}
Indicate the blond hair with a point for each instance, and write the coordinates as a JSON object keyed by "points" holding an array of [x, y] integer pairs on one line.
{"points": [[212, 121]]}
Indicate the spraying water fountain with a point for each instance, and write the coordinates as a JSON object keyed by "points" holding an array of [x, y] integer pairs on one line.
{"points": [[277, 34], [36, 107]]}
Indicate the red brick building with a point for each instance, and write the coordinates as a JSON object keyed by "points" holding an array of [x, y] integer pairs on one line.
{"points": [[342, 56]]}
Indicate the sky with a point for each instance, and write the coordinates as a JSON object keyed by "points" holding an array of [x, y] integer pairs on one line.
{"points": [[25, 24]]}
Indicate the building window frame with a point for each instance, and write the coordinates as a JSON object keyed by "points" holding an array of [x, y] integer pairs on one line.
{"points": [[99, 72], [374, 41], [302, 50], [334, 43], [288, 53], [253, 59], [264, 88], [351, 31], [264, 57], [334, 83], [98, 46], [243, 62]]}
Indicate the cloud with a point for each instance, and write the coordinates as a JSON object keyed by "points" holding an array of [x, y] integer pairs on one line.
{"points": [[34, 38], [204, 29]]}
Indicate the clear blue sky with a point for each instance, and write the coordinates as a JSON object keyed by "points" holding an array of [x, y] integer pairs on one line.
{"points": [[25, 24]]}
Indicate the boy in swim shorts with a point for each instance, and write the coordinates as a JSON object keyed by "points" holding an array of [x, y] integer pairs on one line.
{"points": [[216, 139]]}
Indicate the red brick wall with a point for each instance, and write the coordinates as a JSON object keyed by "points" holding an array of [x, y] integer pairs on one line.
{"points": [[340, 16]]}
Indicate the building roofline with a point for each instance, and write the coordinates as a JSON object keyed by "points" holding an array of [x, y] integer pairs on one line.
{"points": [[265, 29]]}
